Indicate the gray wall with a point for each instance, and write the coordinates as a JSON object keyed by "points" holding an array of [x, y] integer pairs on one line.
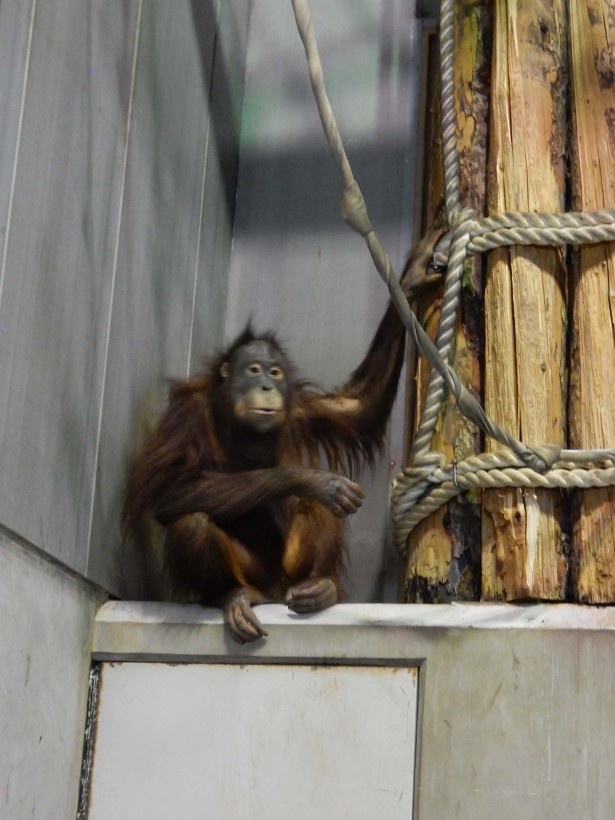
{"points": [[46, 618], [295, 266], [118, 158], [118, 165], [118, 177], [119, 154]]}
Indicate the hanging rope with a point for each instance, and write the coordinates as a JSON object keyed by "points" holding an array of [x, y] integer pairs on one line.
{"points": [[427, 483]]}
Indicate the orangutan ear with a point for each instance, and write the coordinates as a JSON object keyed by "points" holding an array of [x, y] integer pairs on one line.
{"points": [[224, 370]]}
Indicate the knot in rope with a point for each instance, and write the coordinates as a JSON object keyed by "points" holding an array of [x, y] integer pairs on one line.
{"points": [[545, 457], [354, 210], [421, 470]]}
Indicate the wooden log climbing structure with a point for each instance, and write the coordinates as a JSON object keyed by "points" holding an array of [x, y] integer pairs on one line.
{"points": [[525, 296]]}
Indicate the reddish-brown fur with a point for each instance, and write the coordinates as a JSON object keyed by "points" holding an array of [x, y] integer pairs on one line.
{"points": [[238, 510]]}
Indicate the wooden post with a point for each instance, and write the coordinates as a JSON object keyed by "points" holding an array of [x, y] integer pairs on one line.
{"points": [[525, 309], [592, 389], [444, 559]]}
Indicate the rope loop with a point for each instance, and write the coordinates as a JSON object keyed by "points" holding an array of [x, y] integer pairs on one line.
{"points": [[422, 469]]}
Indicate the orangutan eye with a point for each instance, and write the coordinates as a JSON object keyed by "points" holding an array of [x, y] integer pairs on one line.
{"points": [[254, 369], [276, 373]]}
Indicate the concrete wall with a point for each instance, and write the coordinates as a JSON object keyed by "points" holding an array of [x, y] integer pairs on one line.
{"points": [[46, 620], [296, 267], [515, 702]]}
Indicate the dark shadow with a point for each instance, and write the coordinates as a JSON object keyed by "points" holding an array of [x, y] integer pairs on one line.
{"points": [[302, 189], [225, 91]]}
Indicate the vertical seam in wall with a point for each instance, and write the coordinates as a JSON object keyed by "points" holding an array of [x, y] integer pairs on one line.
{"points": [[113, 278], [239, 152], [210, 93], [17, 146]]}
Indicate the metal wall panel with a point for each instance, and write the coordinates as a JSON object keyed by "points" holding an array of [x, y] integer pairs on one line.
{"points": [[227, 86], [117, 218], [58, 270], [118, 230], [15, 28], [158, 249]]}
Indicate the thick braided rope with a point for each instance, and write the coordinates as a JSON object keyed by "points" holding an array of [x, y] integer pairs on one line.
{"points": [[426, 484], [452, 184], [499, 230], [458, 242], [424, 487], [448, 319]]}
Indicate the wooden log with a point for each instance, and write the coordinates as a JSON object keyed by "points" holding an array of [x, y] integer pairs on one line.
{"points": [[444, 555], [592, 390], [523, 552]]}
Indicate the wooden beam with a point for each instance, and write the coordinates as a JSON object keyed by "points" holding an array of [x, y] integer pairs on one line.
{"points": [[444, 556], [592, 389], [525, 307]]}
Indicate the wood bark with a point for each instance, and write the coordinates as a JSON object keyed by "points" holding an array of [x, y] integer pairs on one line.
{"points": [[444, 555], [523, 554], [592, 390]]}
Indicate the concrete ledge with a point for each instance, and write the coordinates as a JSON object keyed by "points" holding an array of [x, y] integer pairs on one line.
{"points": [[184, 633], [516, 701]]}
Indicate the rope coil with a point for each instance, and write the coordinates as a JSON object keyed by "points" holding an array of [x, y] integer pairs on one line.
{"points": [[428, 483]]}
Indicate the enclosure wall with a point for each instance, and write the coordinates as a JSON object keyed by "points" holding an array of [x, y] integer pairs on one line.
{"points": [[46, 618], [118, 163]]}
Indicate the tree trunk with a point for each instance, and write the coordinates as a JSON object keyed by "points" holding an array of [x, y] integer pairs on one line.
{"points": [[525, 309], [444, 558], [592, 389]]}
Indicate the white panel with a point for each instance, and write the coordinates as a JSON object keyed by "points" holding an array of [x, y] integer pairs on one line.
{"points": [[59, 264], [277, 742]]}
